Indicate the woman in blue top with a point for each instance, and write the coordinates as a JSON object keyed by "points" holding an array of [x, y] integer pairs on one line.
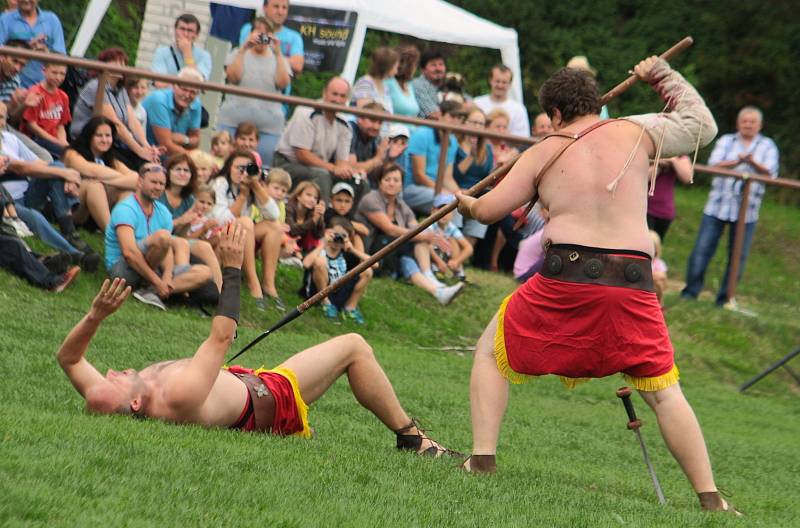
{"points": [[179, 200], [404, 101], [474, 161]]}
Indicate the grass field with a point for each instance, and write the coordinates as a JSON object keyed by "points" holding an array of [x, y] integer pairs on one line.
{"points": [[565, 457]]}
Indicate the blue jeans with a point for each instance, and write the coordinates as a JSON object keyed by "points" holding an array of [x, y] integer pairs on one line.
{"points": [[40, 189], [419, 198], [266, 143], [704, 248], [42, 228]]}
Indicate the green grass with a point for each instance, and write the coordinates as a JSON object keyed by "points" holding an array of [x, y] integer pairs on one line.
{"points": [[565, 457]]}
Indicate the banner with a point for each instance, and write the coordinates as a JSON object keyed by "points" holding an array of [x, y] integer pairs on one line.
{"points": [[326, 33]]}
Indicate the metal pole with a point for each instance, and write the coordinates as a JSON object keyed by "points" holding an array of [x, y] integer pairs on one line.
{"points": [[738, 241]]}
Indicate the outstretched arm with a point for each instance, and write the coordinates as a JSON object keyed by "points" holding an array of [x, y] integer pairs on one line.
{"points": [[70, 356], [189, 388]]}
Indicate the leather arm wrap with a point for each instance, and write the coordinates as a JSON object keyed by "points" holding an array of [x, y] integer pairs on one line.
{"points": [[229, 297]]}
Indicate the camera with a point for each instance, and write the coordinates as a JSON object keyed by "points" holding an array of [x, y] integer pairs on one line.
{"points": [[253, 170], [263, 38], [338, 238]]}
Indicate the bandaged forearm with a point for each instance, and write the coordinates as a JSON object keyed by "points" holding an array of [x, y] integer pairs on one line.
{"points": [[687, 117], [229, 297]]}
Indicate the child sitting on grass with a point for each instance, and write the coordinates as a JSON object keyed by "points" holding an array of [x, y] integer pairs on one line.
{"points": [[342, 197], [278, 184], [305, 214], [330, 261], [448, 259], [205, 165], [207, 224], [221, 147], [46, 122]]}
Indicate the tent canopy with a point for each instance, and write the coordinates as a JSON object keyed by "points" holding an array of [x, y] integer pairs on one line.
{"points": [[434, 20]]}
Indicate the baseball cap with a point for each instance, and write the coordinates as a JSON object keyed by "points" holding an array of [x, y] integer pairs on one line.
{"points": [[343, 187], [440, 200], [397, 130]]}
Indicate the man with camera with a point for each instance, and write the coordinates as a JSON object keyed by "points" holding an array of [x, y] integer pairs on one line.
{"points": [[173, 115], [316, 143], [259, 64], [140, 247]]}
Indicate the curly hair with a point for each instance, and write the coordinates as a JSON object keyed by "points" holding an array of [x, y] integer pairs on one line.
{"points": [[572, 91]]}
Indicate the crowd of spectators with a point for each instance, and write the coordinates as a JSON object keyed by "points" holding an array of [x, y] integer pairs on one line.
{"points": [[311, 188]]}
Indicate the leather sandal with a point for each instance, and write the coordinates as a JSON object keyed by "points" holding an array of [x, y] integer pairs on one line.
{"points": [[413, 442], [480, 464], [713, 501]]}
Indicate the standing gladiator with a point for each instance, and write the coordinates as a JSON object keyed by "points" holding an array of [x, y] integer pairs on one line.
{"points": [[592, 310]]}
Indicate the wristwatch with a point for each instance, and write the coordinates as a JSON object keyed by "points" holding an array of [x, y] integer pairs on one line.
{"points": [[186, 141]]}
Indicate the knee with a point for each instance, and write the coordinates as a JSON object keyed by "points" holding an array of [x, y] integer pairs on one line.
{"points": [[161, 239], [202, 247], [245, 222], [203, 272], [358, 346], [367, 274]]}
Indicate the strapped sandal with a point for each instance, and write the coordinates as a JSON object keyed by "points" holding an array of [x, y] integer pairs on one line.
{"points": [[713, 501], [480, 464], [413, 442]]}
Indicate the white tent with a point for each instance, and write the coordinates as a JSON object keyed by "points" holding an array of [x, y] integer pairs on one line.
{"points": [[434, 20]]}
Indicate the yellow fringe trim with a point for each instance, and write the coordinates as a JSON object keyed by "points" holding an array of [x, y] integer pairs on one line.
{"points": [[656, 383], [302, 407], [500, 354], [571, 383]]}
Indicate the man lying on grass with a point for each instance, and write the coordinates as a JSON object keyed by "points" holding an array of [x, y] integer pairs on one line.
{"points": [[198, 390]]}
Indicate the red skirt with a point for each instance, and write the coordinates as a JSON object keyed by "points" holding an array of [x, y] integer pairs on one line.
{"points": [[582, 331]]}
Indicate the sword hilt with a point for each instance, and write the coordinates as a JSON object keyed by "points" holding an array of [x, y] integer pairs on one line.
{"points": [[624, 393]]}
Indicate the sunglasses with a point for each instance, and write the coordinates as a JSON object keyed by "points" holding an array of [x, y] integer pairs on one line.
{"points": [[154, 168]]}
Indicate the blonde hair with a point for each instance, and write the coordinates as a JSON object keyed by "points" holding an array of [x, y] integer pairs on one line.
{"points": [[202, 158], [219, 136], [279, 176], [495, 114], [656, 244], [205, 189]]}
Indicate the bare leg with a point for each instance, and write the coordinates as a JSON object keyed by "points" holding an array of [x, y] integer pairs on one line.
{"points": [[488, 395], [196, 276], [359, 290], [422, 254], [319, 275], [93, 197], [249, 262], [421, 281], [499, 244], [682, 434], [270, 235], [158, 244], [203, 251]]}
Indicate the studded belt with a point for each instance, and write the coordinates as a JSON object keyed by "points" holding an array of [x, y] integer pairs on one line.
{"points": [[262, 402], [607, 267]]}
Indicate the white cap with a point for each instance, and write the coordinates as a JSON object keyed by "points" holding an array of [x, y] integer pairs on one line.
{"points": [[397, 130]]}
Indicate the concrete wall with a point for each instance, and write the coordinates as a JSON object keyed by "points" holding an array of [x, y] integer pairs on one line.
{"points": [[159, 22]]}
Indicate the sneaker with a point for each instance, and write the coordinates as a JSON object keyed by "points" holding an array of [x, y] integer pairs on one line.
{"points": [[447, 293], [76, 242], [331, 313], [431, 277], [57, 263], [261, 305], [292, 261], [279, 304], [66, 279], [354, 315], [90, 262], [148, 296]]}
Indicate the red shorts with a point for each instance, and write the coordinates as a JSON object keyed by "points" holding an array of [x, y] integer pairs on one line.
{"points": [[581, 331]]}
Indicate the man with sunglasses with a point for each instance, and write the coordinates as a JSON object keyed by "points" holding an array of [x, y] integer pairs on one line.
{"points": [[140, 247], [173, 115], [182, 53]]}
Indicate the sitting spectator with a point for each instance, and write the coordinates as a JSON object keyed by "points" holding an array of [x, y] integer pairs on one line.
{"points": [[237, 190], [183, 53], [342, 199], [206, 225], [305, 214], [398, 146], [140, 247], [423, 150], [178, 198], [367, 149], [388, 217], [276, 11], [316, 144], [474, 161], [46, 122], [39, 28], [330, 261], [497, 121], [137, 89], [449, 259], [511, 235], [221, 146], [173, 115], [106, 180], [372, 87], [400, 88], [659, 268], [661, 205], [541, 126], [530, 252], [427, 86], [134, 147], [500, 83], [259, 64], [205, 165]]}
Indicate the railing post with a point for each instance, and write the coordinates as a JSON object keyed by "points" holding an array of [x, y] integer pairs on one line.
{"points": [[738, 241], [444, 146], [100, 96]]}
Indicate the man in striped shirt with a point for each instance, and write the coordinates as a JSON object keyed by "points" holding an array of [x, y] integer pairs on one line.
{"points": [[745, 151]]}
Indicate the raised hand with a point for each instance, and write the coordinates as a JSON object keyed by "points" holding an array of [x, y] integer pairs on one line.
{"points": [[643, 69], [110, 297], [231, 246]]}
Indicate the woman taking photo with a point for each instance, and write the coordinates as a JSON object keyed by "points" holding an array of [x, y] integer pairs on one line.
{"points": [[474, 161], [257, 64], [388, 217], [106, 180]]}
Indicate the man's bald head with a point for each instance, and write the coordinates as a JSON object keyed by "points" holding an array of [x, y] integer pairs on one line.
{"points": [[337, 91]]}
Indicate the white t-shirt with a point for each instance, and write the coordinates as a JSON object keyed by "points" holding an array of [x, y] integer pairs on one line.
{"points": [[17, 151], [519, 124]]}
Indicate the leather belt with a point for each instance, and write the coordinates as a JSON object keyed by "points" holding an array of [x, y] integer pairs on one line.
{"points": [[262, 401], [590, 266]]}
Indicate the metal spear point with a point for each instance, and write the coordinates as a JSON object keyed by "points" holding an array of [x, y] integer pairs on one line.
{"points": [[634, 424]]}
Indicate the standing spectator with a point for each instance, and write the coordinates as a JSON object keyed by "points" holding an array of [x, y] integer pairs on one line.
{"points": [[423, 150], [746, 151], [46, 122], [316, 144], [39, 28], [500, 83], [137, 90], [173, 115], [141, 249], [474, 161], [134, 146], [426, 87], [661, 206], [541, 126], [276, 12], [106, 180], [497, 121], [259, 63], [404, 102], [372, 87], [183, 53]]}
